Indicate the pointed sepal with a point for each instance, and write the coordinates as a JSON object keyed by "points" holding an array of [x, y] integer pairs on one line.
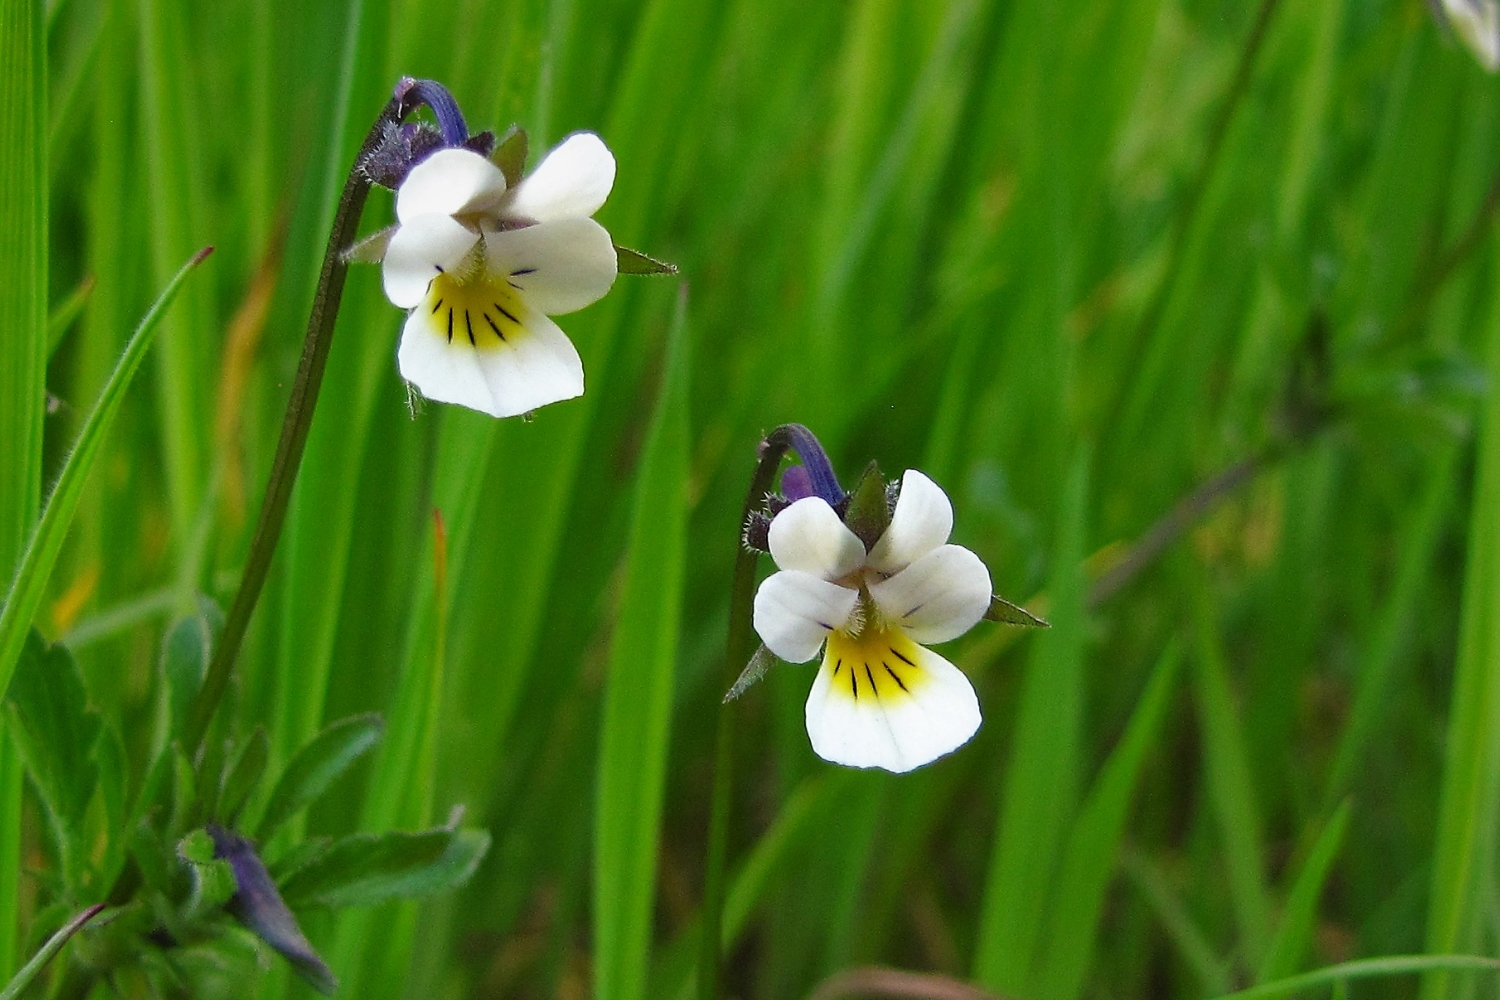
{"points": [[1007, 613], [868, 514], [756, 669], [510, 155], [635, 262]]}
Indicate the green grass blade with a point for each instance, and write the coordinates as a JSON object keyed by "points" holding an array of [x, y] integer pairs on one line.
{"points": [[1465, 835], [1041, 778], [1231, 792], [638, 695], [1365, 968], [30, 583], [1294, 934], [23, 360], [48, 951], [1088, 864]]}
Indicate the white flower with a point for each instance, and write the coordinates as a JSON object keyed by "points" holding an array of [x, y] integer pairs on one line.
{"points": [[881, 699], [1477, 24], [482, 268]]}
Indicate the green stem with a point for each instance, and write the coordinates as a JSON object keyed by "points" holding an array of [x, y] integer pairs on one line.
{"points": [[294, 427], [740, 646]]}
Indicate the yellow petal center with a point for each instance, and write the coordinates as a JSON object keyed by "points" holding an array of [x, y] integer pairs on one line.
{"points": [[485, 312], [875, 662]]}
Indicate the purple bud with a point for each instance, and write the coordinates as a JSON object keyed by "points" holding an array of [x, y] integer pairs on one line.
{"points": [[796, 484], [258, 906], [450, 119], [821, 480]]}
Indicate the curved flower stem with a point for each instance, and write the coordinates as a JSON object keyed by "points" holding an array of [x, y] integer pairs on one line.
{"points": [[294, 427], [740, 646]]}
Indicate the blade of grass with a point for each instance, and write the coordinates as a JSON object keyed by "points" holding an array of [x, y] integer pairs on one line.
{"points": [[1088, 864], [1294, 935], [46, 542], [1365, 968], [23, 345], [47, 952], [635, 733], [1183, 931], [1465, 833], [1040, 787], [1231, 792]]}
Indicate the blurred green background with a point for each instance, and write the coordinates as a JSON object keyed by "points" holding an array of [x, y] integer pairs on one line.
{"points": [[1085, 263]]}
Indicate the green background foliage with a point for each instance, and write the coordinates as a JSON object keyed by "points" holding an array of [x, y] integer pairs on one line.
{"points": [[1189, 304]]}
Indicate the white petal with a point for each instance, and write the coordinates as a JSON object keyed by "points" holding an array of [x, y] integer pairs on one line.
{"points": [[1477, 24], [559, 266], [893, 705], [572, 181], [809, 536], [530, 370], [922, 521], [939, 597], [418, 252], [444, 371], [450, 182], [795, 611]]}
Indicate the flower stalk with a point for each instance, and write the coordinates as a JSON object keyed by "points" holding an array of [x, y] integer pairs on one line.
{"points": [[740, 647], [299, 413]]}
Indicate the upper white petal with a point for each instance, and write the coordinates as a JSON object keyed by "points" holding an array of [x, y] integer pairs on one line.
{"points": [[891, 728], [939, 597], [922, 521], [795, 611], [809, 536], [420, 250], [444, 371], [559, 266], [451, 181], [572, 181], [538, 367]]}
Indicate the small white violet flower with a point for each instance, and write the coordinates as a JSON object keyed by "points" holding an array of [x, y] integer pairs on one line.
{"points": [[881, 699], [1477, 24], [482, 269]]}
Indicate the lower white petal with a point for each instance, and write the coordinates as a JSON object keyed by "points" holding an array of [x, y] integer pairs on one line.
{"points": [[558, 266], [881, 700], [572, 181], [477, 344], [794, 611], [538, 366], [418, 252], [939, 597]]}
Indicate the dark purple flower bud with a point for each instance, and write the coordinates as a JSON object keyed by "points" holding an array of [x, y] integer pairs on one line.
{"points": [[413, 93], [820, 478], [258, 906], [796, 483]]}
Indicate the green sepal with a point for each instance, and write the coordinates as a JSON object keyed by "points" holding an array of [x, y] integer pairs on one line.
{"points": [[634, 262], [213, 878], [55, 733], [869, 513], [318, 765], [759, 664], [510, 155], [1003, 611], [366, 869], [243, 776]]}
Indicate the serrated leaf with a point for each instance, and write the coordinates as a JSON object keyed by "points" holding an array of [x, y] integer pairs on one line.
{"points": [[759, 664], [510, 155], [258, 906], [367, 869], [634, 262], [243, 777], [318, 765], [185, 653], [1007, 613], [55, 734]]}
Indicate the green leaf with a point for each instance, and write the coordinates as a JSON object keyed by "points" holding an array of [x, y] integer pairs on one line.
{"points": [[243, 777], [30, 582], [637, 717], [55, 733], [366, 869], [510, 155], [318, 765], [635, 262], [1007, 613], [61, 318], [185, 654], [1294, 935], [29, 971]]}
